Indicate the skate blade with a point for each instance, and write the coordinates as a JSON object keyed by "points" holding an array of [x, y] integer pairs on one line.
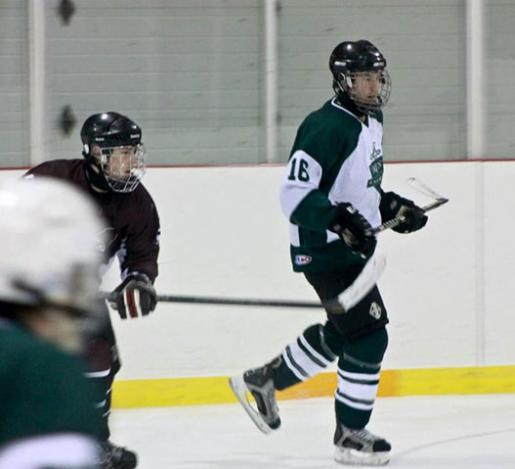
{"points": [[353, 457], [240, 390]]}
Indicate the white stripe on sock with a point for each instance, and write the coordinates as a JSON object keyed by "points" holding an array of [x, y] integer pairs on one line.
{"points": [[354, 405], [292, 368], [304, 360], [358, 376], [367, 392], [317, 355]]}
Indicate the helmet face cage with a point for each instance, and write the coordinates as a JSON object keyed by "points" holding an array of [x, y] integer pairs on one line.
{"points": [[123, 166], [344, 83]]}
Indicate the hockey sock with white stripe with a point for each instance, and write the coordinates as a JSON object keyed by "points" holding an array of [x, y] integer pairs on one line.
{"points": [[359, 369], [355, 397], [303, 358]]}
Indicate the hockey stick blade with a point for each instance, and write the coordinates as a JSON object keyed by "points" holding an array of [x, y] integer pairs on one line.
{"points": [[398, 220], [419, 186]]}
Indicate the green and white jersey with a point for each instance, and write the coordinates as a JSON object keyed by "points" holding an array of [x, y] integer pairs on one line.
{"points": [[335, 158], [42, 390]]}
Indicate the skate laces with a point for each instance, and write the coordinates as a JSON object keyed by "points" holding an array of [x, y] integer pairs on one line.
{"points": [[368, 440], [365, 435]]}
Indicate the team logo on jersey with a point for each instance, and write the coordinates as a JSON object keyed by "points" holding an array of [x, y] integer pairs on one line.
{"points": [[375, 310], [376, 171], [302, 259], [376, 152]]}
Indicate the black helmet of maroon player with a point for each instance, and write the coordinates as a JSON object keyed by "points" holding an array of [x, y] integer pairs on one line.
{"points": [[113, 150]]}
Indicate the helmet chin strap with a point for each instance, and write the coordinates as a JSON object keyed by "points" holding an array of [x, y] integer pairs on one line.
{"points": [[344, 100]]}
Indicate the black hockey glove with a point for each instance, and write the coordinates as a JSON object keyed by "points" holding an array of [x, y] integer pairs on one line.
{"points": [[135, 296], [393, 205], [353, 228]]}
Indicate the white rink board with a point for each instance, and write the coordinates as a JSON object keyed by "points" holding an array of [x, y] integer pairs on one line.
{"points": [[499, 256], [223, 235]]}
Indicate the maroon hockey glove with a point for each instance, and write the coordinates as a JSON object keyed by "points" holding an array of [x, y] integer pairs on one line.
{"points": [[134, 297]]}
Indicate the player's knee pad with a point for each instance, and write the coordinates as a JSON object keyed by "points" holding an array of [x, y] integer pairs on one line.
{"points": [[365, 353], [315, 335]]}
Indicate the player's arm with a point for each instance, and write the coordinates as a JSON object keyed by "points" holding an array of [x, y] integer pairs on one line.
{"points": [[306, 205], [142, 241], [59, 169], [136, 295], [302, 201], [43, 169]]}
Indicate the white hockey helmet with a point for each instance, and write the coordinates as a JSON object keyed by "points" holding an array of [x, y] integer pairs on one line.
{"points": [[49, 245]]}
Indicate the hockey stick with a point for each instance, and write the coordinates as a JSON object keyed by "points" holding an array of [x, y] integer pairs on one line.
{"points": [[439, 200], [213, 300], [351, 296], [397, 220]]}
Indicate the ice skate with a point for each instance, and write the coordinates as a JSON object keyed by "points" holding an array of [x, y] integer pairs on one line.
{"points": [[360, 447], [258, 382], [117, 457]]}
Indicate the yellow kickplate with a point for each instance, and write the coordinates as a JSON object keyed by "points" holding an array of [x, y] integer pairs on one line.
{"points": [[407, 382]]}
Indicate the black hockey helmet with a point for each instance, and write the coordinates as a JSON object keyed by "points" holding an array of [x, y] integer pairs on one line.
{"points": [[351, 57], [112, 145]]}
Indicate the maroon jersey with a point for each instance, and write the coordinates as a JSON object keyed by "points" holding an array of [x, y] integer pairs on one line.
{"points": [[131, 218]]}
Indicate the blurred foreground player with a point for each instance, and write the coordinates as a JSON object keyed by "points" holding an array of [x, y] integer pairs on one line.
{"points": [[47, 287], [110, 173]]}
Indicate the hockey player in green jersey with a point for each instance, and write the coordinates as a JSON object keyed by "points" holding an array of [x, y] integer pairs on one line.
{"points": [[49, 238], [332, 197]]}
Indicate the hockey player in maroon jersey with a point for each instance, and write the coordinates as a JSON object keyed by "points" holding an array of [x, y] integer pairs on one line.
{"points": [[111, 173]]}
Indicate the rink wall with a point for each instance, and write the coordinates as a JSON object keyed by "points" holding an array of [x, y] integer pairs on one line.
{"points": [[447, 288]]}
